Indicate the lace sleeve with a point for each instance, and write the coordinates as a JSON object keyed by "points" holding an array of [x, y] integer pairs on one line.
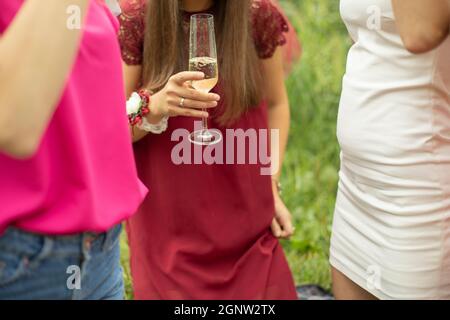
{"points": [[269, 28], [132, 30]]}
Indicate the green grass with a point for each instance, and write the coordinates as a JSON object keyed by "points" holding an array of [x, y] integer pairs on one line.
{"points": [[311, 165]]}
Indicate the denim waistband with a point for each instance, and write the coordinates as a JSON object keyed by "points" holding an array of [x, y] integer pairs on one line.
{"points": [[22, 241]]}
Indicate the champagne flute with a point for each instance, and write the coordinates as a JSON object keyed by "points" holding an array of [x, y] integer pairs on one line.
{"points": [[203, 58]]}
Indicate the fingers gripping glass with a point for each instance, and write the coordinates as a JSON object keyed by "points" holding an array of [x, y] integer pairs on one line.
{"points": [[203, 57]]}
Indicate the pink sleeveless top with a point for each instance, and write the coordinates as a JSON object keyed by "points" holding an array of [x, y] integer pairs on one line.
{"points": [[83, 176]]}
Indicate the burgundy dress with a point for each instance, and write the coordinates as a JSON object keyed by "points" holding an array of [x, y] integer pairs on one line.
{"points": [[204, 231]]}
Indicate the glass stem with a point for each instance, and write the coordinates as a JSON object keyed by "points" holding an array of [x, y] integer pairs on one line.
{"points": [[205, 122]]}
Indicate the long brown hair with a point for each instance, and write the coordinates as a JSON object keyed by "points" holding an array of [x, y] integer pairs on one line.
{"points": [[239, 66]]}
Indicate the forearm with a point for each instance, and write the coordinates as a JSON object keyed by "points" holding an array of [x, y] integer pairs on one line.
{"points": [[36, 54], [132, 77], [152, 118], [423, 25], [279, 119]]}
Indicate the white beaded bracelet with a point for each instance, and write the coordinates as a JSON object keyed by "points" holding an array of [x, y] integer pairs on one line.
{"points": [[154, 128]]}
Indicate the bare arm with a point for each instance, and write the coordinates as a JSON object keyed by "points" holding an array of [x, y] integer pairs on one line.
{"points": [[36, 54], [423, 25], [278, 103], [279, 119]]}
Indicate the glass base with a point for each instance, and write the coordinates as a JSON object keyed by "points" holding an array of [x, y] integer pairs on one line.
{"points": [[205, 137]]}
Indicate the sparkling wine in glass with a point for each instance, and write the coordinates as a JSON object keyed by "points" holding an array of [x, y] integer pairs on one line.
{"points": [[203, 58]]}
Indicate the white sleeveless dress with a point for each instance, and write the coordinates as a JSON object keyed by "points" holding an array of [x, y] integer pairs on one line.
{"points": [[391, 230]]}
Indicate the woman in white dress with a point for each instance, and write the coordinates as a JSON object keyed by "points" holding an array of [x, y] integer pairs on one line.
{"points": [[391, 230]]}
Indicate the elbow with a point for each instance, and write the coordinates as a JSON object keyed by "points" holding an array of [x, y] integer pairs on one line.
{"points": [[19, 139], [16, 140], [25, 149], [418, 46], [21, 150], [22, 146], [422, 42]]}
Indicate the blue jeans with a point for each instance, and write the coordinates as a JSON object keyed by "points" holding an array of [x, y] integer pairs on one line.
{"points": [[79, 267]]}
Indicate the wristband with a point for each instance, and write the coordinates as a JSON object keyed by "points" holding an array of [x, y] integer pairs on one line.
{"points": [[154, 128]]}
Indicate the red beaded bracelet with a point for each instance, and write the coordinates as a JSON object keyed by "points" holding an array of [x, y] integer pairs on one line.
{"points": [[138, 106]]}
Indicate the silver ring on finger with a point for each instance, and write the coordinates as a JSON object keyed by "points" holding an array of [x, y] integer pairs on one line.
{"points": [[182, 102]]}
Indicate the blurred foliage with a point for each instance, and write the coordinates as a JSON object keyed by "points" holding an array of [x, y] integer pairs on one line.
{"points": [[310, 173], [311, 166]]}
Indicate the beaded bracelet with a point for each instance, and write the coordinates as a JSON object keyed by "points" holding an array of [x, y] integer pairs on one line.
{"points": [[138, 107]]}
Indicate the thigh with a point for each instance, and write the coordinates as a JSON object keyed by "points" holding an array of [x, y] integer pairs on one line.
{"points": [[346, 289]]}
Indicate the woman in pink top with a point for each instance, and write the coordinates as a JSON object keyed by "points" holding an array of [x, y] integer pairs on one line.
{"points": [[67, 175]]}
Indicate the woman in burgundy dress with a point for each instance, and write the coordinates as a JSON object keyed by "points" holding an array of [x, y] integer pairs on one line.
{"points": [[208, 231]]}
